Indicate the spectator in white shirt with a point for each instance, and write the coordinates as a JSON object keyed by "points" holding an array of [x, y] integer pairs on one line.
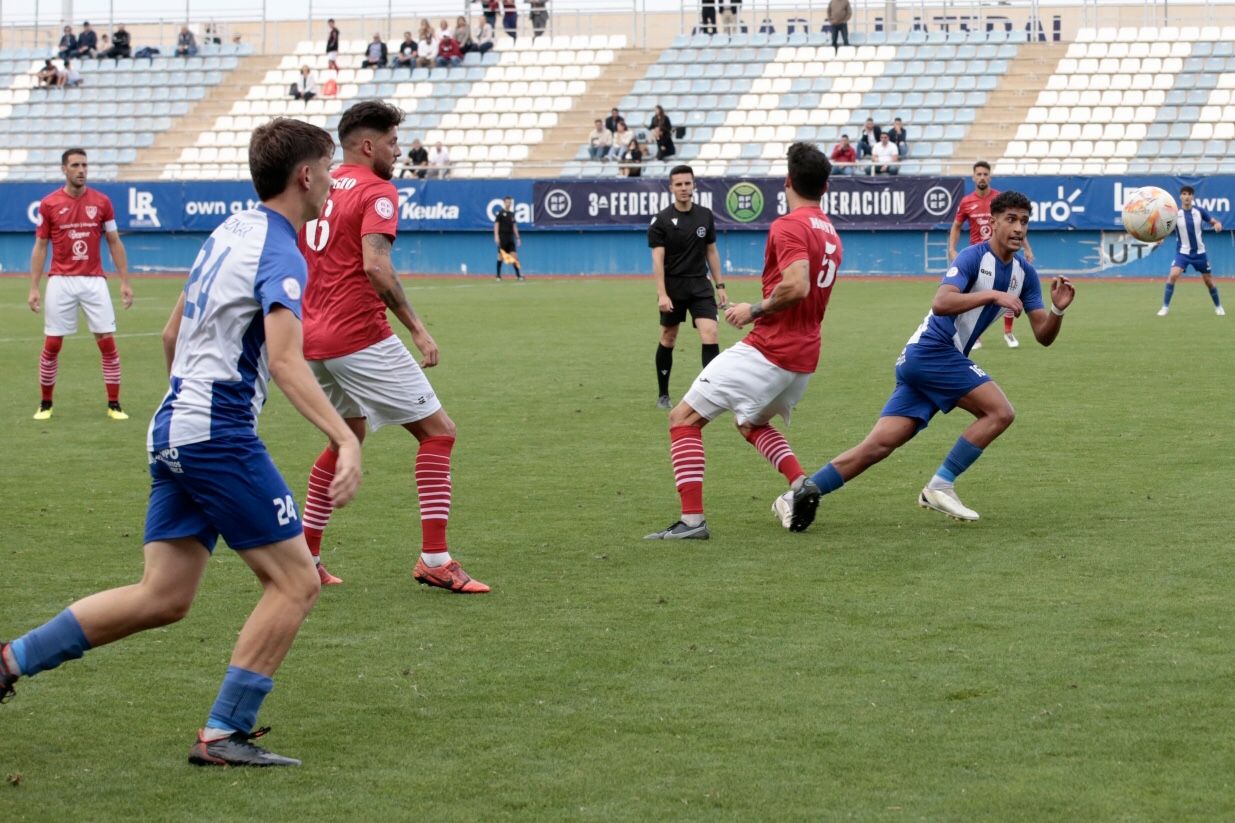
{"points": [[884, 156], [305, 87], [599, 141], [439, 161], [482, 39]]}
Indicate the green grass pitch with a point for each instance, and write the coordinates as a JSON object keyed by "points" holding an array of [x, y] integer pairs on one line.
{"points": [[1068, 657]]}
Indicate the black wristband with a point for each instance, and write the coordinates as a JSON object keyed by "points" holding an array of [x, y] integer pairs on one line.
{"points": [[720, 285], [757, 310]]}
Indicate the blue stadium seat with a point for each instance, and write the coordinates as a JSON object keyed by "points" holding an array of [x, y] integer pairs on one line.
{"points": [[987, 83]]}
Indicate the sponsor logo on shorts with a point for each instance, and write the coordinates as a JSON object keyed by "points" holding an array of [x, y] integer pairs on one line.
{"points": [[384, 208], [291, 287], [169, 458]]}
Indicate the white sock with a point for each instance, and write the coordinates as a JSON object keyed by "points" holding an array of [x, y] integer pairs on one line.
{"points": [[797, 484], [435, 559], [692, 519], [939, 484], [210, 733]]}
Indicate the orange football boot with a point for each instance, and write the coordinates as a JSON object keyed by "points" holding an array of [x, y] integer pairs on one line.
{"points": [[451, 576]]}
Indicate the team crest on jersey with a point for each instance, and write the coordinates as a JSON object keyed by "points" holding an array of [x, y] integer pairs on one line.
{"points": [[92, 212], [701, 231], [291, 287], [384, 208]]}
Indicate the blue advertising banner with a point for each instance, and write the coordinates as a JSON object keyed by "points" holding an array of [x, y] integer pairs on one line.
{"points": [[432, 205], [747, 204], [1096, 202]]}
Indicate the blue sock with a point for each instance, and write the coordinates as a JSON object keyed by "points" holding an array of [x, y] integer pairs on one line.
{"points": [[961, 457], [1168, 293], [1213, 295], [56, 641], [240, 698], [828, 479]]}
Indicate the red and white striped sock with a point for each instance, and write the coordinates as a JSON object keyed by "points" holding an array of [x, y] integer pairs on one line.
{"points": [[433, 493], [686, 453], [773, 446], [111, 368], [49, 366], [317, 503]]}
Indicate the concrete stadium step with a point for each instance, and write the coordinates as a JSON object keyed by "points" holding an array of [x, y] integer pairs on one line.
{"points": [[199, 118], [1007, 106]]}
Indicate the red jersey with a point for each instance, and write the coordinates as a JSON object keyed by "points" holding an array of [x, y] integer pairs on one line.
{"points": [[75, 225], [977, 210], [790, 338], [342, 313]]}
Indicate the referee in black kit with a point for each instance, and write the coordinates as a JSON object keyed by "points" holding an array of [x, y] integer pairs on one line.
{"points": [[683, 242]]}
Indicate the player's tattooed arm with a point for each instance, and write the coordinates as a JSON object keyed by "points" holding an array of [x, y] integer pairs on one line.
{"points": [[380, 270]]}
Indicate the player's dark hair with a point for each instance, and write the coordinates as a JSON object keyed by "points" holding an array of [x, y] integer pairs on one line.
{"points": [[279, 147], [1010, 200], [1187, 190], [64, 158], [981, 164], [376, 115], [682, 169], [808, 170]]}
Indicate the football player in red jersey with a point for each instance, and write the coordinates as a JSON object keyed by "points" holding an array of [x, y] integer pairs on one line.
{"points": [[364, 368], [975, 208], [73, 219], [765, 373]]}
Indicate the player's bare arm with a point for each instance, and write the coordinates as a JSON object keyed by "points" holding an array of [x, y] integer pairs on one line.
{"points": [[171, 333], [949, 300], [121, 258], [497, 241], [380, 270], [954, 237], [284, 346], [1046, 324], [1216, 224], [38, 262], [722, 298], [1028, 252], [658, 275], [792, 289]]}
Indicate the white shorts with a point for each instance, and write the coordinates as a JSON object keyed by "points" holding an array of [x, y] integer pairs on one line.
{"points": [[741, 380], [332, 56], [382, 383], [65, 293]]}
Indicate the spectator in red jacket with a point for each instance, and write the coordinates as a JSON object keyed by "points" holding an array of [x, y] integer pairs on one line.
{"points": [[844, 157], [448, 52]]}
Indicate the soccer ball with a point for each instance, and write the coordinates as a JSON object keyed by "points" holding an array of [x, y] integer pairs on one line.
{"points": [[1150, 213]]}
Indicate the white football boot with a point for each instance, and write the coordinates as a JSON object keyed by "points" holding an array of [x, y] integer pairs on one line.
{"points": [[946, 501], [1164, 311], [782, 507]]}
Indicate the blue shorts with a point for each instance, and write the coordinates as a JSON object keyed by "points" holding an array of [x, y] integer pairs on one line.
{"points": [[1200, 262], [929, 380], [220, 487]]}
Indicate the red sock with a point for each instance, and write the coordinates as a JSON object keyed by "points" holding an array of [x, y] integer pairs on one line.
{"points": [[772, 445], [1007, 323], [317, 503], [111, 368], [49, 365], [433, 491], [686, 452]]}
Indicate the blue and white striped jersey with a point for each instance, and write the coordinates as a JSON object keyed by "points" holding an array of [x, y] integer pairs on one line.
{"points": [[1188, 238], [247, 266], [977, 269]]}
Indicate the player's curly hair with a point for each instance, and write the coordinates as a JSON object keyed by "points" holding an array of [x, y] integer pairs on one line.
{"points": [[279, 147], [376, 115], [1010, 200], [809, 170]]}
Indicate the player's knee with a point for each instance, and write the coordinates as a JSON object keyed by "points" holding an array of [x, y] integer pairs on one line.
{"points": [[668, 336], [1004, 416], [680, 415], [170, 608]]}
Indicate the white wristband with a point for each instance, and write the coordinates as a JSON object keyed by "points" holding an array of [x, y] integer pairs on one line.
{"points": [[1056, 311]]}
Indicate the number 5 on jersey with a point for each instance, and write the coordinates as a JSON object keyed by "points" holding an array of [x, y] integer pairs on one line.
{"points": [[828, 273]]}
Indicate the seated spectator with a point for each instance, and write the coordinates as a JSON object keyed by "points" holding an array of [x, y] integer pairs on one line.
{"points": [[305, 87], [409, 50], [428, 45], [448, 52], [120, 45], [662, 132], [884, 156], [539, 15], [463, 35], [417, 162], [615, 117], [47, 75], [87, 42], [599, 141], [621, 140], [897, 135], [68, 44], [632, 160], [375, 54], [844, 158], [70, 74], [482, 39], [439, 161], [186, 43], [870, 136]]}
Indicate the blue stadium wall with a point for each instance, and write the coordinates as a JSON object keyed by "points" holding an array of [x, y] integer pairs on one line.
{"points": [[598, 226]]}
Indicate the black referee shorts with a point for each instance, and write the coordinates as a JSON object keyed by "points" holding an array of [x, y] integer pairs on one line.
{"points": [[693, 294], [508, 244]]}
